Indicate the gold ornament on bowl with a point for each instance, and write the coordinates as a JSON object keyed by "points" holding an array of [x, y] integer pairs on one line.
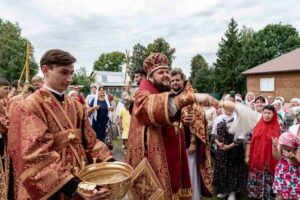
{"points": [[116, 176]]}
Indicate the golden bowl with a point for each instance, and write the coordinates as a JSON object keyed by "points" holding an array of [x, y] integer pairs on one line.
{"points": [[114, 175]]}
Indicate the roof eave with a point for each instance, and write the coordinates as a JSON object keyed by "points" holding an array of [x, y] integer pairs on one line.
{"points": [[270, 72]]}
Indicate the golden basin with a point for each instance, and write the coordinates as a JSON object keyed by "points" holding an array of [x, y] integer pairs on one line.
{"points": [[114, 175]]}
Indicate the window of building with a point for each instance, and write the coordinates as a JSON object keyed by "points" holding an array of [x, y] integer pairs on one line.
{"points": [[267, 84]]}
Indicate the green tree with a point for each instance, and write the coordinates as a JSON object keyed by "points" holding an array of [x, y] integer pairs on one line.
{"points": [[197, 64], [137, 59], [160, 45], [112, 61], [81, 77], [140, 52], [13, 52], [268, 43], [227, 69], [204, 80]]}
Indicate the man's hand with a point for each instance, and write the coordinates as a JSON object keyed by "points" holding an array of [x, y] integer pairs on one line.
{"points": [[275, 142], [225, 147], [206, 99], [219, 144], [100, 194], [4, 121], [189, 117], [192, 149], [110, 108]]}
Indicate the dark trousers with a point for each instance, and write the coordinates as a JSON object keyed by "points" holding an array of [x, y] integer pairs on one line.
{"points": [[1, 147]]}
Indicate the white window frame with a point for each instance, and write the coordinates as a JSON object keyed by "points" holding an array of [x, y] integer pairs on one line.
{"points": [[267, 84]]}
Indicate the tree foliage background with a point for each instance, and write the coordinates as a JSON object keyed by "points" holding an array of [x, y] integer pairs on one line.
{"points": [[227, 68], [81, 77], [140, 52], [112, 61], [13, 52], [268, 43], [239, 50], [198, 63]]}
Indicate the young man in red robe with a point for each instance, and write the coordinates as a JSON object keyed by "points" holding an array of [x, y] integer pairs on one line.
{"points": [[51, 139], [154, 132]]}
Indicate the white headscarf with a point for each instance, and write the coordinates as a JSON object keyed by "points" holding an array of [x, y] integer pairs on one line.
{"points": [[72, 92], [280, 111], [246, 98]]}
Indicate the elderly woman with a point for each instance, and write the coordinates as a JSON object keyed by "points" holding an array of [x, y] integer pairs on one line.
{"points": [[279, 108], [73, 94], [261, 164], [294, 102], [249, 98], [295, 129]]}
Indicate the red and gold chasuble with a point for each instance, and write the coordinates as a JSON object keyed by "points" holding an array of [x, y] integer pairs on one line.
{"points": [[164, 148], [4, 160], [198, 129], [48, 144]]}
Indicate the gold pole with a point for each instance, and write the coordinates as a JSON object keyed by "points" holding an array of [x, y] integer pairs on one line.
{"points": [[27, 61], [19, 82], [127, 66]]}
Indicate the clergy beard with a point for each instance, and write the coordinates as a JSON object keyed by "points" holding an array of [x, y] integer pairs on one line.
{"points": [[161, 87]]}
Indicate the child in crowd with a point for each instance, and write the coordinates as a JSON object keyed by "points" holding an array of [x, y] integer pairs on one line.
{"points": [[287, 173], [125, 122]]}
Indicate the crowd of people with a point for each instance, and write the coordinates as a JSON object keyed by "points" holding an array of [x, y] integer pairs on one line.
{"points": [[192, 144]]}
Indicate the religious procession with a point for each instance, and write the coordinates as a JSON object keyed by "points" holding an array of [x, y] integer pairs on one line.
{"points": [[178, 143], [96, 103]]}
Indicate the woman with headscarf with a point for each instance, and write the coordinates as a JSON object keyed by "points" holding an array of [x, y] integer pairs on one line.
{"points": [[249, 98], [261, 164], [229, 169], [101, 107], [279, 108], [295, 129], [294, 102], [73, 94]]}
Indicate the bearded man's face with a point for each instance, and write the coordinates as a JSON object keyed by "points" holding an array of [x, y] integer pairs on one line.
{"points": [[161, 80]]}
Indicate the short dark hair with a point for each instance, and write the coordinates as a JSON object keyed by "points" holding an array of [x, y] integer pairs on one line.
{"points": [[140, 71], [3, 82], [269, 107], [57, 57], [176, 71], [14, 83], [31, 89], [261, 98]]}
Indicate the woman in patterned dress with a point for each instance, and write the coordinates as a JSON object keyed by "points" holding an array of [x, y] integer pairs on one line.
{"points": [[229, 170]]}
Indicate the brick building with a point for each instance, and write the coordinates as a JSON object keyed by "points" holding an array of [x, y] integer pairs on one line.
{"points": [[277, 77]]}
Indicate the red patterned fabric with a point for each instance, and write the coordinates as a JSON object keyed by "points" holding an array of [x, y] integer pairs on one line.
{"points": [[155, 61], [261, 144], [150, 124]]}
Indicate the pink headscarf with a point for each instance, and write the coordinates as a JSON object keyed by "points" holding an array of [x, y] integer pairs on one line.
{"points": [[288, 139]]}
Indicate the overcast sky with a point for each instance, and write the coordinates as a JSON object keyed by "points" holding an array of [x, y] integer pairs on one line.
{"points": [[88, 28]]}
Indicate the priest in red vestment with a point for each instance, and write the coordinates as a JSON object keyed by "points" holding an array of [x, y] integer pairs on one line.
{"points": [[155, 133]]}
